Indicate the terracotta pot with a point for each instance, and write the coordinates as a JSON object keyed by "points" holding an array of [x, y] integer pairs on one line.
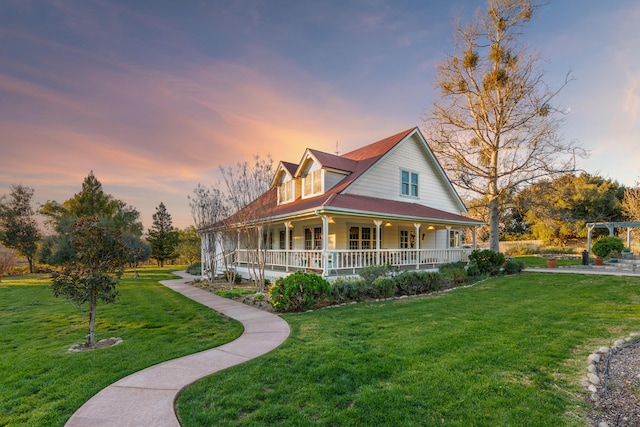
{"points": [[598, 261], [552, 263]]}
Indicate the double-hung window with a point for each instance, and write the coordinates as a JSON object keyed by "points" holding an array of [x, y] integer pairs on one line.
{"points": [[312, 183], [409, 183]]}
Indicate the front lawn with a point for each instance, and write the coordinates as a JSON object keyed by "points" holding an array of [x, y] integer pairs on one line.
{"points": [[508, 352], [536, 261], [41, 384]]}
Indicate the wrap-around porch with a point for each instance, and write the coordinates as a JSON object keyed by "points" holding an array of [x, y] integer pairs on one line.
{"points": [[345, 262], [342, 245]]}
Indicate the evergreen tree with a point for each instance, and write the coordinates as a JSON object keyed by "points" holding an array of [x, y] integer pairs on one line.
{"points": [[18, 226], [89, 202], [162, 237]]}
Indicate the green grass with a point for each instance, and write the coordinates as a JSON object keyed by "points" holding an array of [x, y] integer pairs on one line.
{"points": [[41, 384], [508, 352], [536, 261]]}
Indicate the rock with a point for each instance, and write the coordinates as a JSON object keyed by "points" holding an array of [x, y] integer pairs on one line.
{"points": [[604, 350], [619, 343], [592, 388], [592, 369], [593, 378], [594, 358], [603, 424], [635, 334]]}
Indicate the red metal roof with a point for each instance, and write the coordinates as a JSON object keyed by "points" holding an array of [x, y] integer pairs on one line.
{"points": [[357, 162], [334, 162]]}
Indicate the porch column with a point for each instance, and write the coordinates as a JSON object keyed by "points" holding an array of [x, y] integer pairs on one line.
{"points": [[629, 237], [287, 243], [325, 245], [448, 242], [474, 240], [417, 227], [203, 260], [378, 223], [590, 228], [238, 250]]}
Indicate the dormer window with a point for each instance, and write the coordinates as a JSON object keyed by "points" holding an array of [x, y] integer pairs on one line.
{"points": [[312, 183], [286, 192]]}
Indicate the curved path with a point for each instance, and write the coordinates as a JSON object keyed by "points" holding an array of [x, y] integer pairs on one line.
{"points": [[146, 398]]}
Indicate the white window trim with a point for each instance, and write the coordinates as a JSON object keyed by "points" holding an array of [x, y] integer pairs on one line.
{"points": [[292, 192], [310, 175], [410, 172]]}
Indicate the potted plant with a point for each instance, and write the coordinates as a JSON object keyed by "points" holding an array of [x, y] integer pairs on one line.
{"points": [[627, 254], [552, 263], [605, 246]]}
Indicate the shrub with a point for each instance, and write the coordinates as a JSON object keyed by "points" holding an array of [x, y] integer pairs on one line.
{"points": [[414, 283], [349, 289], [372, 272], [473, 270], [195, 269], [487, 261], [513, 267], [454, 272], [230, 274], [604, 246], [383, 287], [299, 292]]}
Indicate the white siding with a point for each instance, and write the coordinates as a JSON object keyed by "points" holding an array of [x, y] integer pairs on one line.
{"points": [[331, 179], [383, 179]]}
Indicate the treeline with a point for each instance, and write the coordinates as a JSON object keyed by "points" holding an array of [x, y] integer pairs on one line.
{"points": [[21, 232], [557, 211]]}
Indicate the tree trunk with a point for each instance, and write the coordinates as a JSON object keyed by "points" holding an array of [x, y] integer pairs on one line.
{"points": [[135, 269], [494, 225], [91, 338], [30, 260]]}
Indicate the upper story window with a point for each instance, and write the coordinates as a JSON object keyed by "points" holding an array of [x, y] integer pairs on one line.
{"points": [[409, 183], [286, 191], [312, 183]]}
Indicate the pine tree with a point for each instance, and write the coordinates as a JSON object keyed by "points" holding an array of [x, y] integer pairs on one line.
{"points": [[162, 236]]}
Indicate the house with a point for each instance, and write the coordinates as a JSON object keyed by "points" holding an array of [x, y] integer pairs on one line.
{"points": [[387, 202]]}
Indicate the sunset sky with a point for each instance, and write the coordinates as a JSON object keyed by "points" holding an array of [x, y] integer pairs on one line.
{"points": [[154, 96]]}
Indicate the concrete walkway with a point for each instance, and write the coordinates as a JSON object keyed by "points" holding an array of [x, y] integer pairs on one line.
{"points": [[146, 398]]}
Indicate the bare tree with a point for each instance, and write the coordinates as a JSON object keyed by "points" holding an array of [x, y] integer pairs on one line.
{"points": [[209, 208], [247, 185], [631, 203], [494, 127]]}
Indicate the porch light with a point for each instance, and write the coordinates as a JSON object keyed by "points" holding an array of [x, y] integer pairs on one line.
{"points": [[290, 225], [387, 224], [431, 227], [332, 221]]}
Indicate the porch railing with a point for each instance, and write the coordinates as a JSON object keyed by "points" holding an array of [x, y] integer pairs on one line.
{"points": [[345, 260]]}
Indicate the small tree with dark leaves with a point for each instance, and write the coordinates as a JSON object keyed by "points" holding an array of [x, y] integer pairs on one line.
{"points": [[95, 274]]}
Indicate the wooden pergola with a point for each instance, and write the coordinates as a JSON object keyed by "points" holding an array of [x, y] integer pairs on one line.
{"points": [[611, 226]]}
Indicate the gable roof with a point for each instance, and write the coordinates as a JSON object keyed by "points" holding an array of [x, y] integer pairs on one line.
{"points": [[335, 200]]}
